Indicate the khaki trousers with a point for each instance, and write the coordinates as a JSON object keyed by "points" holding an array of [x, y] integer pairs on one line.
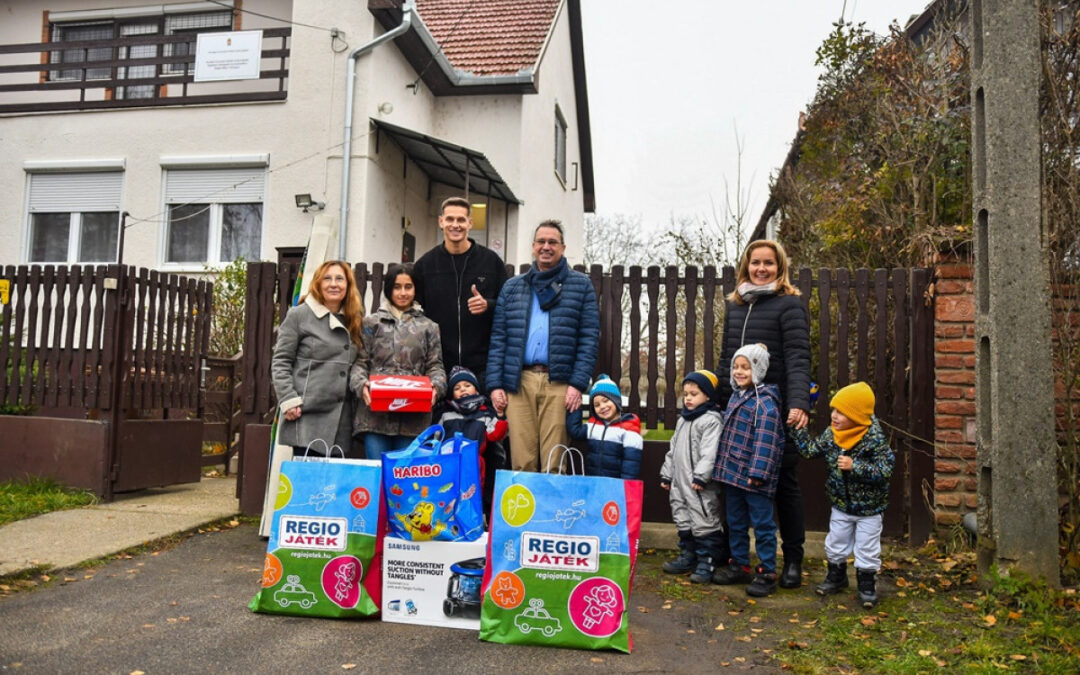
{"points": [[536, 415]]}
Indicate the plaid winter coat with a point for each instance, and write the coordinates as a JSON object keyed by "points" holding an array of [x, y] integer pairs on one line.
{"points": [[863, 491], [752, 441]]}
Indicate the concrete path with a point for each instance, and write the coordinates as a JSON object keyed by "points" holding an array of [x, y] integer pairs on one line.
{"points": [[66, 538]]}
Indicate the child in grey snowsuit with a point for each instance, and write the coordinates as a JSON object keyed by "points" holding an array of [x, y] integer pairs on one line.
{"points": [[687, 475]]}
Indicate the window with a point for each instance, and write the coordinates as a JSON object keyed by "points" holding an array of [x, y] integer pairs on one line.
{"points": [[560, 144], [111, 24], [74, 217], [214, 215]]}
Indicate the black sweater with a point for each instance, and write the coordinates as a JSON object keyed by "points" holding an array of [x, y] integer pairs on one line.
{"points": [[443, 288]]}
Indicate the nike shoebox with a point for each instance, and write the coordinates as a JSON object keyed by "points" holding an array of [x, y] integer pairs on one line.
{"points": [[400, 393], [434, 583]]}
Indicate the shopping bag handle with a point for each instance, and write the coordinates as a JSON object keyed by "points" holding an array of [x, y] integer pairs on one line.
{"points": [[567, 451], [329, 450]]}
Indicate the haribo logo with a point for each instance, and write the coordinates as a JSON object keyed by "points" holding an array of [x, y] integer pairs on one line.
{"points": [[544, 551], [312, 532], [597, 606], [341, 580], [417, 471]]}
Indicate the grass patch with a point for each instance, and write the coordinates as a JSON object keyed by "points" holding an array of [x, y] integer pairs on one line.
{"points": [[35, 496], [936, 613]]}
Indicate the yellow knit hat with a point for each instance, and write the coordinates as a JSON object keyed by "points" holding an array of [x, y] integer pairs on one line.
{"points": [[856, 402]]}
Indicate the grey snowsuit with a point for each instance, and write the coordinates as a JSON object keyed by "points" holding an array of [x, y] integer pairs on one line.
{"points": [[692, 459]]}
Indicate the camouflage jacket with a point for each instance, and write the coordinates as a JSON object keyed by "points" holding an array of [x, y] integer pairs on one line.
{"points": [[863, 491], [409, 346]]}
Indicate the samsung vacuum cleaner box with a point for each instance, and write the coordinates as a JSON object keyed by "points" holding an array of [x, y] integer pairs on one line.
{"points": [[435, 583]]}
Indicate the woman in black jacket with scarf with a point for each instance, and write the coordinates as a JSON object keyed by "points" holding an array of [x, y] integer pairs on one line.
{"points": [[765, 308]]}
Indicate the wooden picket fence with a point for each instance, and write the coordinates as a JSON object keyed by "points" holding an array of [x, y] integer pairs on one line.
{"points": [[656, 324]]}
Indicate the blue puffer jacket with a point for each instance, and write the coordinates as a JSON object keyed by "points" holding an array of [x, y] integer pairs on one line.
{"points": [[614, 447], [573, 333]]}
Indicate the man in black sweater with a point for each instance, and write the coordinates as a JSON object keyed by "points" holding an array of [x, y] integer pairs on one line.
{"points": [[457, 283]]}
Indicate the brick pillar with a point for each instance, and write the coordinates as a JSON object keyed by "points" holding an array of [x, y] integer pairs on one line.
{"points": [[955, 476]]}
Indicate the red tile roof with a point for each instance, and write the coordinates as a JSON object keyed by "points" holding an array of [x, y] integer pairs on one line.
{"points": [[489, 37]]}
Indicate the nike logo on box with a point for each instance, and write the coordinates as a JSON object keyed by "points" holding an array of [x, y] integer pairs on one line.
{"points": [[397, 404]]}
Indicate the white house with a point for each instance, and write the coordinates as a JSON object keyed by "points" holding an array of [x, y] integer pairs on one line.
{"points": [[138, 108]]}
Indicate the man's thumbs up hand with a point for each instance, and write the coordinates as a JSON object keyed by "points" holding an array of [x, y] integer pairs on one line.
{"points": [[477, 303]]}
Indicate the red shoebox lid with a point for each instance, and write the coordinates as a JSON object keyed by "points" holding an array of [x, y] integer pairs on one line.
{"points": [[400, 393]]}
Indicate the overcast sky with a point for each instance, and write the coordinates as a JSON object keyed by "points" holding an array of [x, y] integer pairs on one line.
{"points": [[669, 82]]}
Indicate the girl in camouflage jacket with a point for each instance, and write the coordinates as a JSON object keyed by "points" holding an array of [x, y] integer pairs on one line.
{"points": [[859, 462], [397, 340]]}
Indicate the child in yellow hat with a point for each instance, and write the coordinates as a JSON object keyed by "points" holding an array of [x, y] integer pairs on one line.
{"points": [[860, 462]]}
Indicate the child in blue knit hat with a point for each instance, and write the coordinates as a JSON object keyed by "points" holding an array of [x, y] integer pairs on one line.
{"points": [[614, 437]]}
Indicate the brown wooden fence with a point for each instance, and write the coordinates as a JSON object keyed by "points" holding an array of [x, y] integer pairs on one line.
{"points": [[111, 343], [657, 324]]}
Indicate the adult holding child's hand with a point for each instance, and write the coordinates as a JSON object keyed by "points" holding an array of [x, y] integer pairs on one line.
{"points": [[765, 308]]}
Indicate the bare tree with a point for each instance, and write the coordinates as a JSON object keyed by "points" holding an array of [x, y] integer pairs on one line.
{"points": [[616, 240]]}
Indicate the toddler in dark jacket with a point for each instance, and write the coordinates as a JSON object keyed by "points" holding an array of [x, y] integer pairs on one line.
{"points": [[859, 462], [614, 437], [469, 412]]}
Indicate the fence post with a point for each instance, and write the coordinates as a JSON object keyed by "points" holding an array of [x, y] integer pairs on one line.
{"points": [[116, 295]]}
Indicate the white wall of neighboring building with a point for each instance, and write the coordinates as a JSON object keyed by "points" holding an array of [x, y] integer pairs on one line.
{"points": [[301, 139]]}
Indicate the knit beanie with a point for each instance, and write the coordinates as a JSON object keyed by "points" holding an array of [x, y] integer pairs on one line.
{"points": [[758, 356], [706, 380], [856, 402], [461, 374], [606, 387]]}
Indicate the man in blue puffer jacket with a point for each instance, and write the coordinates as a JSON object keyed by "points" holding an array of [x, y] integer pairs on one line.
{"points": [[544, 340]]}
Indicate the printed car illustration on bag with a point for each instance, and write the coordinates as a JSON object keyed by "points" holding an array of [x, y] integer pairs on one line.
{"points": [[292, 593], [537, 618]]}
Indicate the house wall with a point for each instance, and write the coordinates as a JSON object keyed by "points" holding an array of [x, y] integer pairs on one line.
{"points": [[302, 138], [547, 196]]}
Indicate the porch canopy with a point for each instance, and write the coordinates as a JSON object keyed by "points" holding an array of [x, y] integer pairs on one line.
{"points": [[448, 163]]}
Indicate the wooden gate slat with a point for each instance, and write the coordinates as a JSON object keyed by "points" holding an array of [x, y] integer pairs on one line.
{"points": [[20, 311], [843, 328], [5, 335], [602, 289], [110, 346], [96, 337], [652, 289], [58, 348], [33, 290], [139, 397], [921, 520], [170, 394], [266, 340], [671, 288], [708, 317], [824, 340], [690, 334], [862, 294], [634, 285], [78, 321], [43, 378], [615, 336], [881, 300]]}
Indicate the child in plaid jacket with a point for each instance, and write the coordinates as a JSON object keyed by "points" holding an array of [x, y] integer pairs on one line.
{"points": [[748, 464]]}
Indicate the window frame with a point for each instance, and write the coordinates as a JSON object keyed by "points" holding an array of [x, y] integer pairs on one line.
{"points": [[561, 134], [73, 210], [215, 205]]}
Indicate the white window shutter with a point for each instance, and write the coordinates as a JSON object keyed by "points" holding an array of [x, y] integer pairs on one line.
{"points": [[74, 192], [204, 186]]}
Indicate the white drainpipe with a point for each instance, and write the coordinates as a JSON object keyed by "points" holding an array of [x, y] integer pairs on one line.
{"points": [[408, 10]]}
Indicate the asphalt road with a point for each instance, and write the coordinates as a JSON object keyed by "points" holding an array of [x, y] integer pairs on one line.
{"points": [[185, 610]]}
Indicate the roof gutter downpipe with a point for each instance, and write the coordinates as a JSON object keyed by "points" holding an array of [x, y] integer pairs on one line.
{"points": [[408, 11]]}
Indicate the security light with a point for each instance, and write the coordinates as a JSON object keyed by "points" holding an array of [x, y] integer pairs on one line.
{"points": [[305, 202]]}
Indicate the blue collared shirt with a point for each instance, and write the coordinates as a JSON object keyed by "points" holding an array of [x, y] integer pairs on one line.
{"points": [[536, 346]]}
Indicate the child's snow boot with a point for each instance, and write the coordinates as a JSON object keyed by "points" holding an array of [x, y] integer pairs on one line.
{"points": [[707, 558], [764, 583], [687, 560], [733, 573], [835, 580], [867, 587]]}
